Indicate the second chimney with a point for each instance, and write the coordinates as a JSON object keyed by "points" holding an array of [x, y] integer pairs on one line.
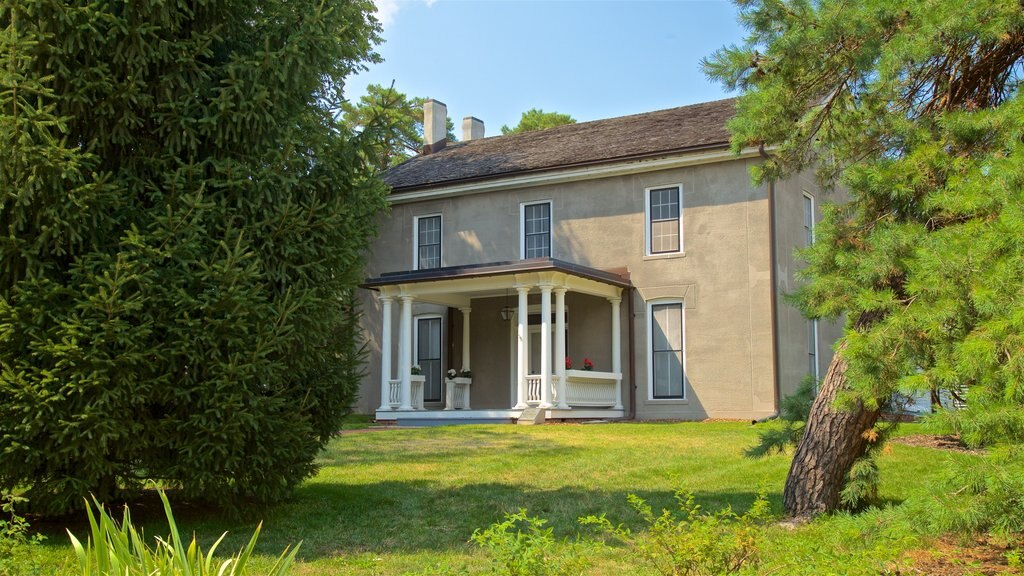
{"points": [[472, 128], [435, 126]]}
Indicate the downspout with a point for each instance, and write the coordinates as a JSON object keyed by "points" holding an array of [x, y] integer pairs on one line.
{"points": [[773, 305], [632, 356]]}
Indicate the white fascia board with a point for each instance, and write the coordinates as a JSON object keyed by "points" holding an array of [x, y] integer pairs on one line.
{"points": [[573, 174]]}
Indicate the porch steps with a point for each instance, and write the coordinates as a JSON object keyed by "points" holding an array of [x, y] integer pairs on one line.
{"points": [[532, 416]]}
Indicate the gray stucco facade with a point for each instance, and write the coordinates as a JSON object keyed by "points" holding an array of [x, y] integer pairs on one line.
{"points": [[721, 278]]}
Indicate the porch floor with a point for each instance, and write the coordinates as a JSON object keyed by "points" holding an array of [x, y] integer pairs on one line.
{"points": [[494, 416]]}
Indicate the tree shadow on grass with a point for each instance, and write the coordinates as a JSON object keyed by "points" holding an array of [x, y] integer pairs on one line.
{"points": [[415, 516]]}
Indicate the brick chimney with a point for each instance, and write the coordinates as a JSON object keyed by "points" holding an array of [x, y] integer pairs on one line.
{"points": [[435, 126], [472, 128]]}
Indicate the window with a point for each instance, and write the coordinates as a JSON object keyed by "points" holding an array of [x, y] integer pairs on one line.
{"points": [[667, 373], [536, 230], [664, 224], [812, 349], [428, 242], [808, 219]]}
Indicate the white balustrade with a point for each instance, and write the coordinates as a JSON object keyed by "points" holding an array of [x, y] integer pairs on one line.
{"points": [[533, 389], [592, 389], [395, 395]]}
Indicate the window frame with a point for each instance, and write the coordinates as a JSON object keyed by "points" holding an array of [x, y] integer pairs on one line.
{"points": [[416, 240], [684, 397], [522, 228], [648, 223], [809, 232], [812, 350]]}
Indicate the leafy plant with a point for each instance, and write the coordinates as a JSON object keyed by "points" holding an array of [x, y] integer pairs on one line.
{"points": [[121, 550], [522, 546], [697, 543], [15, 541]]}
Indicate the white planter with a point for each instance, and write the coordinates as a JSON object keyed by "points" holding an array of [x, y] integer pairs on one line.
{"points": [[457, 393]]}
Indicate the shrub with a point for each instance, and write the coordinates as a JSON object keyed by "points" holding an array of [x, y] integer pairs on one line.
{"points": [[121, 550], [522, 546], [185, 221], [695, 544]]}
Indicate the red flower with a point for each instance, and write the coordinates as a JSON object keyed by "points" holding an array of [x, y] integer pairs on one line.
{"points": [[587, 364], [568, 363]]}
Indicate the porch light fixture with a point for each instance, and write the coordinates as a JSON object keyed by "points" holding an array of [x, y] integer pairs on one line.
{"points": [[507, 312]]}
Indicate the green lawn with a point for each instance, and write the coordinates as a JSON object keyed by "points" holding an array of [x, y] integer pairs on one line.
{"points": [[397, 501]]}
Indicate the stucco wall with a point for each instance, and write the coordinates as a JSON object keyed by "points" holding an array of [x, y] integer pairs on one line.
{"points": [[790, 236], [722, 277]]}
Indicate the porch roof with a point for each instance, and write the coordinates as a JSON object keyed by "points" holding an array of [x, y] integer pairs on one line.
{"points": [[458, 285], [612, 277]]}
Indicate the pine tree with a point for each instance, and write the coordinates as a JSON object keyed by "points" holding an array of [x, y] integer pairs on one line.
{"points": [[183, 223], [914, 108]]}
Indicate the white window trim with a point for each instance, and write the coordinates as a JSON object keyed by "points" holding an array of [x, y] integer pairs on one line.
{"points": [[522, 226], [647, 222], [810, 197], [416, 239], [650, 349], [817, 358]]}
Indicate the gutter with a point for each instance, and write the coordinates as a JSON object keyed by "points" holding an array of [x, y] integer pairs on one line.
{"points": [[632, 355]]}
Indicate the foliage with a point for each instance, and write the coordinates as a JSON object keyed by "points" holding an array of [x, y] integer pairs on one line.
{"points": [[697, 543], [985, 494], [776, 437], [915, 110], [15, 541], [537, 119], [398, 118], [121, 550], [521, 546], [184, 222]]}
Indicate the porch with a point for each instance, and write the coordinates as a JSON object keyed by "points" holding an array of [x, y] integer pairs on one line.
{"points": [[539, 374]]}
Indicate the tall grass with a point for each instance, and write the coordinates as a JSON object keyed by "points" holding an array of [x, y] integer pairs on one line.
{"points": [[120, 550]]}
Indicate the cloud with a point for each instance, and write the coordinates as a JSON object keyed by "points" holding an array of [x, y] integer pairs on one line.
{"points": [[387, 9]]}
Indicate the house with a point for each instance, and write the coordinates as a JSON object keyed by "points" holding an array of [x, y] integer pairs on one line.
{"points": [[621, 268]]}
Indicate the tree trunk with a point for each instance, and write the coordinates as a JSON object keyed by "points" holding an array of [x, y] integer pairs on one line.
{"points": [[833, 440]]}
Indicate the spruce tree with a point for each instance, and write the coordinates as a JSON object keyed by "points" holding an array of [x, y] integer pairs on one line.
{"points": [[915, 109], [182, 223]]}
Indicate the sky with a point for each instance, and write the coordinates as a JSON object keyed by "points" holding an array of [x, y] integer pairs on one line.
{"points": [[589, 59]]}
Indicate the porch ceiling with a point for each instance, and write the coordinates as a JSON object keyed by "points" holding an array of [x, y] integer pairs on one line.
{"points": [[456, 285]]}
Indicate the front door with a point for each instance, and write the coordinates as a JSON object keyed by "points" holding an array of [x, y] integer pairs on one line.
{"points": [[428, 356]]}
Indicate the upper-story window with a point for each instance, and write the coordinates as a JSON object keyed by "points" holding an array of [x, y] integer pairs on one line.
{"points": [[664, 220], [536, 230], [428, 242], [808, 219]]}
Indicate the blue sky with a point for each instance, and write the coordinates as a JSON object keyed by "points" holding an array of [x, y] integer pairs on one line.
{"points": [[590, 59]]}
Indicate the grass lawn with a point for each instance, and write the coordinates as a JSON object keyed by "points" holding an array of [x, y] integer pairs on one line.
{"points": [[398, 501]]}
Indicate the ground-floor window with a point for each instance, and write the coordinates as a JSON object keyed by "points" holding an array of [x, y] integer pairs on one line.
{"points": [[666, 347]]}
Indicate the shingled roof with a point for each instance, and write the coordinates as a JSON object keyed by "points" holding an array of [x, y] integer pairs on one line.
{"points": [[693, 127]]}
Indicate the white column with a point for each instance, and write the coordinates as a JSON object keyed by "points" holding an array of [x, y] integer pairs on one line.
{"points": [[465, 337], [545, 346], [563, 401], [521, 334], [405, 352], [617, 351], [385, 354]]}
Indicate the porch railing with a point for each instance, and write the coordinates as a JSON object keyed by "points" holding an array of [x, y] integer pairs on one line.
{"points": [[415, 391], [533, 389], [591, 389], [583, 388]]}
